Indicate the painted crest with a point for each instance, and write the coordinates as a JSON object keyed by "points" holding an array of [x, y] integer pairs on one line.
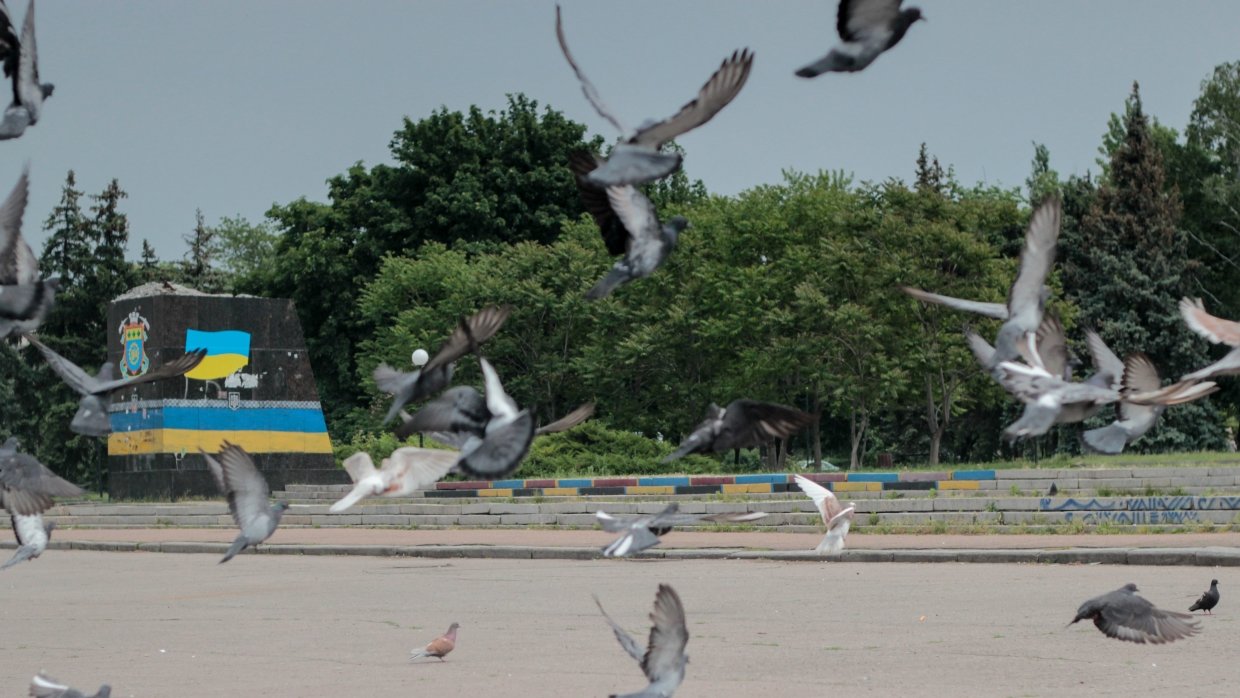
{"points": [[234, 400], [133, 331]]}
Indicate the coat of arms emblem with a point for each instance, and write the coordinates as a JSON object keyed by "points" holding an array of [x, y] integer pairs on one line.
{"points": [[133, 331]]}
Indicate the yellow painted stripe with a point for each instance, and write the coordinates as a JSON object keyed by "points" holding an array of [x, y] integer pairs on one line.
{"points": [[760, 488], [561, 491], [495, 493], [958, 484], [857, 486], [650, 489], [147, 441], [217, 366]]}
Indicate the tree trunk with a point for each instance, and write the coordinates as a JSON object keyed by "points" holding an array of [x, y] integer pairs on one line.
{"points": [[856, 433], [816, 433], [936, 440]]}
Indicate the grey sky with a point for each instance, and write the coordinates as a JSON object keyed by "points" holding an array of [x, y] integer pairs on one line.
{"points": [[232, 105]]}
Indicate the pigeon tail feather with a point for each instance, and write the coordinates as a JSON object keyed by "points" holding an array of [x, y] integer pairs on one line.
{"points": [[237, 546]]}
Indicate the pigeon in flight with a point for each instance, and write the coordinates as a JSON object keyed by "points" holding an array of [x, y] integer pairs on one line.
{"points": [[44, 686], [21, 65], [26, 485], [638, 158], [1208, 600], [25, 298], [742, 424], [407, 470], [32, 537], [629, 225], [665, 659], [642, 532], [837, 518], [247, 494], [867, 28], [1218, 331], [439, 647], [1123, 615], [1143, 400], [1022, 314], [92, 413], [437, 373]]}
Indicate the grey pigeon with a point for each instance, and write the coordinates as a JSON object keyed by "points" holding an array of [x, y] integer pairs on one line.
{"points": [[460, 410], [638, 158], [628, 221], [1144, 399], [642, 532], [1208, 600], [44, 686], [1123, 615], [664, 660], [437, 373], [867, 28], [1045, 396], [32, 537], [1022, 314], [1052, 490], [25, 298], [91, 418], [439, 647], [21, 65], [742, 424], [1218, 331], [836, 517], [26, 485], [247, 494]]}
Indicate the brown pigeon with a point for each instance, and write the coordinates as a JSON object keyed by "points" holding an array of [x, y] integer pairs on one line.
{"points": [[438, 647]]}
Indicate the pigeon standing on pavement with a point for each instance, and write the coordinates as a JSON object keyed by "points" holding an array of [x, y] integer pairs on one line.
{"points": [[439, 647], [32, 537], [639, 158], [1218, 331], [21, 65], [26, 485], [437, 373], [44, 686], [1208, 600], [742, 424], [1052, 491], [1123, 615], [835, 516], [407, 470], [247, 493], [867, 28], [642, 532], [91, 418], [665, 659], [629, 224]]}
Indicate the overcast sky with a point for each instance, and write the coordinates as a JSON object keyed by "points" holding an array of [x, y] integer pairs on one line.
{"points": [[233, 105]]}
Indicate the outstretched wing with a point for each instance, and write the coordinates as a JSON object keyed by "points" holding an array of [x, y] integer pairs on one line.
{"points": [[626, 640], [665, 653], [748, 423], [595, 200], [719, 90], [857, 20], [568, 421], [587, 87], [468, 334]]}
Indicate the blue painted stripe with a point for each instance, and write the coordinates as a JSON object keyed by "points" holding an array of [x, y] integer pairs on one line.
{"points": [[508, 484], [663, 480], [216, 343], [761, 479], [973, 475], [580, 482], [217, 419], [873, 477]]}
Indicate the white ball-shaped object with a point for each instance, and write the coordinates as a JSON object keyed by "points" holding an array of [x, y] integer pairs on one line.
{"points": [[420, 357]]}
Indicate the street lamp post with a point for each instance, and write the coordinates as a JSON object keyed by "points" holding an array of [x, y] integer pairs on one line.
{"points": [[419, 359]]}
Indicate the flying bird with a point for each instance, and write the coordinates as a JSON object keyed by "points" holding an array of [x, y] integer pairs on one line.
{"points": [[1142, 401], [21, 65], [439, 647], [836, 517], [26, 485], [247, 492], [867, 28], [407, 470], [25, 298], [1123, 615], [642, 532], [1218, 331], [665, 659], [44, 686], [629, 225], [742, 424], [437, 373], [1022, 314], [32, 537], [91, 418], [639, 158], [1208, 600]]}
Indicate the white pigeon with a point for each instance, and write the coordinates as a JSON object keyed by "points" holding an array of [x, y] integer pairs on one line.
{"points": [[44, 686], [407, 470], [837, 518]]}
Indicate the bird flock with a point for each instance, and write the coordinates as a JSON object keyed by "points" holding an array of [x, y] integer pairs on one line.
{"points": [[489, 434]]}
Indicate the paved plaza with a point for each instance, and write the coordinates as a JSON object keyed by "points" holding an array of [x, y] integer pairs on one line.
{"points": [[161, 624]]}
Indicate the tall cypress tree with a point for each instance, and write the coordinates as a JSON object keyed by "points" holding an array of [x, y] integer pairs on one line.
{"points": [[1130, 271]]}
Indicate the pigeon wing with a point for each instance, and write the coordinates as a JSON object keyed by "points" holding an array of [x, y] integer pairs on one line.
{"points": [[587, 87], [17, 262], [1025, 297], [28, 88], [28, 486], [177, 367], [10, 47], [1140, 376], [502, 450], [460, 409], [858, 20], [997, 311], [981, 348], [595, 200], [499, 402], [719, 90], [69, 372], [1132, 618], [626, 640], [1052, 346], [1215, 329], [636, 214], [43, 686], [665, 653], [468, 334], [247, 490], [747, 423], [568, 421], [824, 499], [1105, 360], [416, 469]]}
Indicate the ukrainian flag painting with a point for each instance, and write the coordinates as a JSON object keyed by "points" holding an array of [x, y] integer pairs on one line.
{"points": [[227, 352]]}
